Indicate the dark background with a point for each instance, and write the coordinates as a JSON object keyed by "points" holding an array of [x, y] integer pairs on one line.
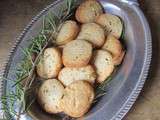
{"points": [[15, 15]]}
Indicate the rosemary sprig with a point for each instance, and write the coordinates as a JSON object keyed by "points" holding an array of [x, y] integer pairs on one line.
{"points": [[100, 89], [25, 70]]}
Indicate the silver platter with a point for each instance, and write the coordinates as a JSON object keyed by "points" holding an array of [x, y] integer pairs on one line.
{"points": [[126, 85]]}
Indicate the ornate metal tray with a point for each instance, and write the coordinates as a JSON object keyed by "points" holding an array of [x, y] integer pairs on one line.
{"points": [[126, 85]]}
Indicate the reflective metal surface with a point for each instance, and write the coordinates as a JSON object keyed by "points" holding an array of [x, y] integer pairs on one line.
{"points": [[126, 85]]}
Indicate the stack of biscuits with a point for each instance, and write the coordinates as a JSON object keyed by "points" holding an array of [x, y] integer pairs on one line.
{"points": [[86, 54]]}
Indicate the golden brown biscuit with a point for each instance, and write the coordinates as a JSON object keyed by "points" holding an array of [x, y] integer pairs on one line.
{"points": [[77, 98], [114, 46], [68, 32], [103, 62], [88, 11], [93, 33], [50, 94], [77, 53], [68, 75], [111, 24], [50, 63]]}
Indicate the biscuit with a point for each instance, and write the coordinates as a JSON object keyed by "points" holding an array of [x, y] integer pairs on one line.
{"points": [[50, 63], [68, 32], [114, 46], [77, 53], [88, 11], [111, 24], [77, 98], [103, 62], [50, 94], [68, 75], [93, 33]]}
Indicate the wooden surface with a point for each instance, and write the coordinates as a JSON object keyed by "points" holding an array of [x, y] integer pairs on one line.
{"points": [[15, 14]]}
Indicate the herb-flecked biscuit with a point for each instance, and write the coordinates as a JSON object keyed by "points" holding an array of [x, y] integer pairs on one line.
{"points": [[50, 94], [114, 46], [68, 75], [77, 53], [68, 32], [112, 24], [103, 62], [93, 33], [77, 98], [50, 63], [88, 11]]}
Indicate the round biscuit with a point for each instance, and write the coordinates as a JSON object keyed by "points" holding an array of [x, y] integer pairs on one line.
{"points": [[68, 32], [50, 94], [103, 62], [112, 24], [50, 63], [88, 11], [93, 33], [77, 53], [77, 98], [114, 46]]}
